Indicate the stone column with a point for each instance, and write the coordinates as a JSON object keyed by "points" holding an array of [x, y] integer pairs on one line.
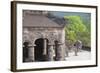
{"points": [[59, 52], [76, 51], [50, 52], [31, 53], [45, 47]]}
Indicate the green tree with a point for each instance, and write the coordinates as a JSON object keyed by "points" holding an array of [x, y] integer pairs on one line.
{"points": [[76, 30]]}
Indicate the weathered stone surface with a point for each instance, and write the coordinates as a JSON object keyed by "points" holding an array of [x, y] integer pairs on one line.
{"points": [[50, 53], [41, 25], [32, 34]]}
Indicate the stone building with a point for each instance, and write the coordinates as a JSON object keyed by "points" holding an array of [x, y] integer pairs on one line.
{"points": [[43, 37]]}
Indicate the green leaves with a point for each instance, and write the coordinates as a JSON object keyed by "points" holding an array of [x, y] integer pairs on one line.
{"points": [[77, 30]]}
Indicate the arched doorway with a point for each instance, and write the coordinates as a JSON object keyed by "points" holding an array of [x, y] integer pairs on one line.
{"points": [[39, 49]]}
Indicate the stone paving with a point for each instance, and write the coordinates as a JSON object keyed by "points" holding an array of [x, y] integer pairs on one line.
{"points": [[82, 55]]}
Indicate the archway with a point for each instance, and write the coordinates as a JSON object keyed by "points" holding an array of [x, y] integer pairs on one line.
{"points": [[39, 49]]}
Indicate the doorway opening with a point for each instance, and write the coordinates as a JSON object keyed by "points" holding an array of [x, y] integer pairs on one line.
{"points": [[39, 49]]}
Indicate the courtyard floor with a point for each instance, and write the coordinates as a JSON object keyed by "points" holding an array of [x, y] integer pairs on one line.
{"points": [[83, 55]]}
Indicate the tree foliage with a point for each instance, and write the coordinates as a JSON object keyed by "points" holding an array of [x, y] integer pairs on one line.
{"points": [[77, 30]]}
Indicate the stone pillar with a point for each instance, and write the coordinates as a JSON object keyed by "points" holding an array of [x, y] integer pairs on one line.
{"points": [[50, 52], [45, 47], [31, 53], [59, 52], [76, 51]]}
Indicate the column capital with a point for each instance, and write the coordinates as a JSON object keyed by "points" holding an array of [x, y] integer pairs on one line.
{"points": [[60, 43], [50, 44], [31, 45]]}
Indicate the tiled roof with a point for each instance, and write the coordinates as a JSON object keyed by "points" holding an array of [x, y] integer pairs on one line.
{"points": [[35, 20]]}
